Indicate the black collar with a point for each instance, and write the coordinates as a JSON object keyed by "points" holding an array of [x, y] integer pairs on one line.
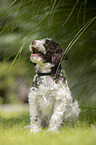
{"points": [[45, 74]]}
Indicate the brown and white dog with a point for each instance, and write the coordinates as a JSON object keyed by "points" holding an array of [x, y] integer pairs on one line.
{"points": [[50, 100]]}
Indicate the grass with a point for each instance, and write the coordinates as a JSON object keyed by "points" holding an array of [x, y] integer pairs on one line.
{"points": [[12, 131]]}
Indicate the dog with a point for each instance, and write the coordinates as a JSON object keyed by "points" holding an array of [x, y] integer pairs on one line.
{"points": [[50, 102]]}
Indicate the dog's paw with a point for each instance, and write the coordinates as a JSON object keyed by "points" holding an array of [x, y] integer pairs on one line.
{"points": [[35, 129]]}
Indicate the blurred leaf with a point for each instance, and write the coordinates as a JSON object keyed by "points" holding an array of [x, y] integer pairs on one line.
{"points": [[63, 21]]}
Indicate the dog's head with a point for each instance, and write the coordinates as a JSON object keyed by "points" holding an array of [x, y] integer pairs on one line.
{"points": [[46, 51]]}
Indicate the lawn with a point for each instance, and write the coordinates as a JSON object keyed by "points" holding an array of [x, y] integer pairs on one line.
{"points": [[13, 131]]}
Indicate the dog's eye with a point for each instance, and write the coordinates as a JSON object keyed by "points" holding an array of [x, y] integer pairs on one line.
{"points": [[47, 41], [33, 43]]}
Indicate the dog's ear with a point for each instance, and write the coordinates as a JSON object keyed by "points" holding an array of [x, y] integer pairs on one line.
{"points": [[57, 56]]}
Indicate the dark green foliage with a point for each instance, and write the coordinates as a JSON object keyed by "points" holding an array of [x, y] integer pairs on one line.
{"points": [[23, 21]]}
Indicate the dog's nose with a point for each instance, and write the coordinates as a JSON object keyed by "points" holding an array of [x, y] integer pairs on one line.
{"points": [[33, 42]]}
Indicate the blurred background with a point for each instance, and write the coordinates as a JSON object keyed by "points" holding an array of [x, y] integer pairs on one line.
{"points": [[22, 21]]}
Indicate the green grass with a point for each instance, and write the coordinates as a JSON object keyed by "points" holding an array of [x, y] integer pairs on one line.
{"points": [[13, 132]]}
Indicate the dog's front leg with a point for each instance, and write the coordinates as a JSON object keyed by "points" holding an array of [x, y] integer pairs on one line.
{"points": [[57, 117], [34, 124]]}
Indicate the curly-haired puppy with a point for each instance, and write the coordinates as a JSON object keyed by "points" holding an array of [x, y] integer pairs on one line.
{"points": [[50, 100]]}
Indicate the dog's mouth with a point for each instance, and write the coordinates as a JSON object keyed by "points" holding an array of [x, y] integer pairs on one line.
{"points": [[36, 52], [37, 48]]}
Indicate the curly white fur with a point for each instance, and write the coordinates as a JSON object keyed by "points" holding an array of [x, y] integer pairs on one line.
{"points": [[53, 104], [50, 103]]}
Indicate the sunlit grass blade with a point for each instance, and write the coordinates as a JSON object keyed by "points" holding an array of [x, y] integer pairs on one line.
{"points": [[71, 12], [77, 36], [78, 15], [20, 50], [27, 39], [73, 41]]}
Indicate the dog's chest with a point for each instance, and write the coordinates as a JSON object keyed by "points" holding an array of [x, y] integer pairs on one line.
{"points": [[45, 95], [45, 103]]}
